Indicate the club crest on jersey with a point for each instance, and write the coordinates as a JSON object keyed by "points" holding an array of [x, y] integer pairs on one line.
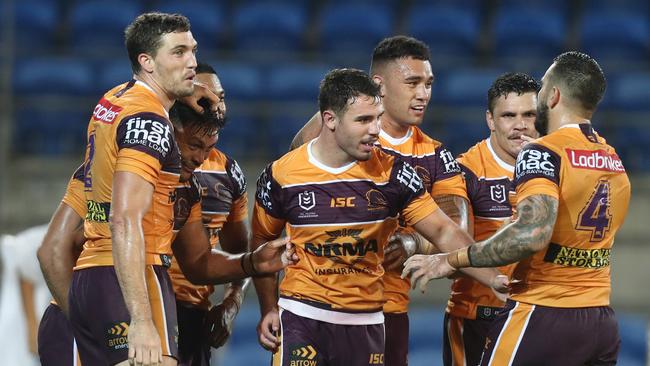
{"points": [[498, 193], [307, 200]]}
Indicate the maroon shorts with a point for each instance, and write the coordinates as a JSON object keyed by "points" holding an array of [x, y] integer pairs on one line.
{"points": [[193, 346], [525, 334], [56, 345], [463, 340], [397, 339], [100, 319], [308, 342]]}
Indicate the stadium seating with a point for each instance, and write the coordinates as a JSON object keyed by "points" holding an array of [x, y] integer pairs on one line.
{"points": [[269, 27], [629, 92], [616, 35], [42, 130], [207, 19], [36, 22], [297, 81], [240, 80], [52, 75], [466, 86], [112, 73], [97, 27], [449, 31]]}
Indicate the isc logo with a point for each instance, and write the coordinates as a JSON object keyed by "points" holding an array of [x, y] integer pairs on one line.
{"points": [[342, 202], [376, 359]]}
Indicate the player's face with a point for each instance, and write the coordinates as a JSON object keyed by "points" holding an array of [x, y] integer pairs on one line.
{"points": [[541, 123], [512, 117], [195, 146], [358, 127], [407, 90], [175, 62], [214, 85]]}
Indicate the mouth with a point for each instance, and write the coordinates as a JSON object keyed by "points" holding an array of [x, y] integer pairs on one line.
{"points": [[418, 109], [368, 145]]}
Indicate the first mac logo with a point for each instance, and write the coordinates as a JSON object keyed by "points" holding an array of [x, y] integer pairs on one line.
{"points": [[105, 111]]}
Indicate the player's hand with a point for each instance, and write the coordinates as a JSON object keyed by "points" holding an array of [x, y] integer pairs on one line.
{"points": [[500, 285], [423, 268], [268, 330], [202, 91], [274, 255], [144, 343], [527, 139], [219, 321], [400, 247]]}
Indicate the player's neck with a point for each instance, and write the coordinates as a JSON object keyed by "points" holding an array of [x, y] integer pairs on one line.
{"points": [[325, 150], [565, 119], [165, 99], [392, 128]]}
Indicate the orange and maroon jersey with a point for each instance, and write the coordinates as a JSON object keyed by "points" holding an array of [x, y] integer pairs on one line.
{"points": [[576, 166], [441, 176], [129, 131], [74, 193], [492, 198], [222, 188], [340, 219]]}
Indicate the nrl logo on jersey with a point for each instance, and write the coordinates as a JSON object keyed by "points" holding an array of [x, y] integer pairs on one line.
{"points": [[307, 200], [498, 193]]}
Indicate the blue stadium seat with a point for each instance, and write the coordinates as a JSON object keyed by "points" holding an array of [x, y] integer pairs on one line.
{"points": [[616, 35], [113, 73], [53, 76], [97, 27], [269, 27], [449, 31], [296, 81], [36, 24], [240, 80], [207, 19], [354, 28], [466, 87], [555, 6], [637, 6], [629, 92], [282, 129], [239, 138], [44, 131], [529, 32]]}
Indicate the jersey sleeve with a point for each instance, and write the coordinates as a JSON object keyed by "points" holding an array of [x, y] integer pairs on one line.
{"points": [[144, 142], [537, 171], [415, 203], [447, 176], [239, 209], [268, 221], [74, 193], [471, 183]]}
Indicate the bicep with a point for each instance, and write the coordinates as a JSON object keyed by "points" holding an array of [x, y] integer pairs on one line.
{"points": [[233, 237], [537, 214]]}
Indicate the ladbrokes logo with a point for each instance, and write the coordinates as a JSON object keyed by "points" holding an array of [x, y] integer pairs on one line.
{"points": [[595, 160], [148, 132], [574, 257], [105, 111], [117, 335]]}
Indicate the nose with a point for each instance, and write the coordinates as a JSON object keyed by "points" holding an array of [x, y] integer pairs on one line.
{"points": [[373, 129], [422, 92]]}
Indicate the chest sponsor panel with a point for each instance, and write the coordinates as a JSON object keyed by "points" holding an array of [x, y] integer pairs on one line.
{"points": [[340, 202], [491, 198]]}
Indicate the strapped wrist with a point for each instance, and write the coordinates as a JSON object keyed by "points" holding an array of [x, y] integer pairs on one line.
{"points": [[459, 258]]}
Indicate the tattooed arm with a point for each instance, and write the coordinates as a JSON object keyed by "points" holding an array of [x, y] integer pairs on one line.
{"points": [[457, 208], [528, 234]]}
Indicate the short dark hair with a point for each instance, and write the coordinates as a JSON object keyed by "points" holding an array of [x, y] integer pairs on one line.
{"points": [[181, 115], [582, 76], [511, 82], [203, 68], [144, 34], [396, 47], [341, 85]]}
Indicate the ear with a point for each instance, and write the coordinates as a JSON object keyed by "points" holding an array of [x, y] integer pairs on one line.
{"points": [[489, 118], [146, 62], [330, 120], [554, 97], [379, 80]]}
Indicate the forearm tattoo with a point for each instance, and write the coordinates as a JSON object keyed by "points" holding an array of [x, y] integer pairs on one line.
{"points": [[455, 207], [529, 233]]}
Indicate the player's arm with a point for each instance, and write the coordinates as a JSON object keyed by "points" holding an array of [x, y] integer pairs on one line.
{"points": [[457, 209], [233, 237], [203, 265], [308, 132], [132, 197], [27, 300], [266, 288], [527, 235], [59, 251]]}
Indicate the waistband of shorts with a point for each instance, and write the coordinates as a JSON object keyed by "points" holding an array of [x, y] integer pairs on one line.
{"points": [[106, 259], [330, 316]]}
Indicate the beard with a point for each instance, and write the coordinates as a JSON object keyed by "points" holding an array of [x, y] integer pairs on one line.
{"points": [[541, 120]]}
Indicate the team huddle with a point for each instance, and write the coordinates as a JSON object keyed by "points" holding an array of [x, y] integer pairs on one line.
{"points": [[523, 222]]}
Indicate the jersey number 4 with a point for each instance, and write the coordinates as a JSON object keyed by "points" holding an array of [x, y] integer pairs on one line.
{"points": [[595, 216]]}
